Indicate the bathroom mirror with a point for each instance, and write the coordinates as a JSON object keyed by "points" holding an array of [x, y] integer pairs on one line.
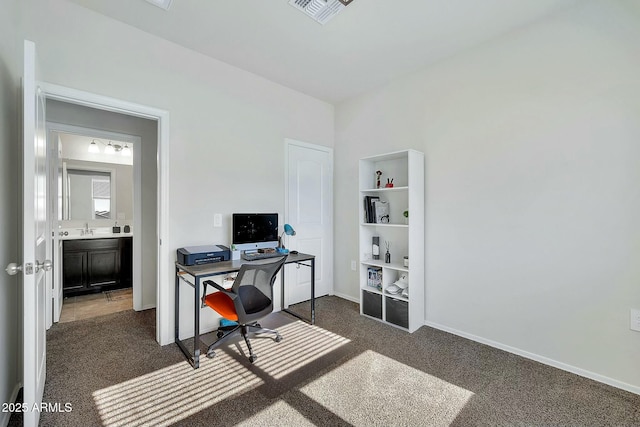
{"points": [[93, 186], [88, 194]]}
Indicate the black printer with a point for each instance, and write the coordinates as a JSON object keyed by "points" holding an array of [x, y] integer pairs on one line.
{"points": [[196, 255]]}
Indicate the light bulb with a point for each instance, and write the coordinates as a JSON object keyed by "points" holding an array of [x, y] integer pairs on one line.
{"points": [[126, 151], [109, 149], [93, 147]]}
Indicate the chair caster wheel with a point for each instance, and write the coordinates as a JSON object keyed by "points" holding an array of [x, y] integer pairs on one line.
{"points": [[253, 358], [211, 354], [220, 334], [278, 338]]}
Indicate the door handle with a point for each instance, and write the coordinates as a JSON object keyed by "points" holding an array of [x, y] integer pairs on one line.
{"points": [[44, 265], [13, 268]]}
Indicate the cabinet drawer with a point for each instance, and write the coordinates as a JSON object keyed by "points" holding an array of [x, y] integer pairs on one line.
{"points": [[372, 304], [397, 312], [89, 244]]}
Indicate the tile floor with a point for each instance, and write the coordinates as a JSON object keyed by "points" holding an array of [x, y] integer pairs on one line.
{"points": [[94, 305]]}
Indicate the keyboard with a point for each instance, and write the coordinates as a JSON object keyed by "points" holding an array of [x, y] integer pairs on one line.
{"points": [[260, 255]]}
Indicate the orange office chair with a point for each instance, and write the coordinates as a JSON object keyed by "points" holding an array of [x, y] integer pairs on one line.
{"points": [[249, 299]]}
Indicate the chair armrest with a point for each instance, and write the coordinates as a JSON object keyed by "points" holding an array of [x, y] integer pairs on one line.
{"points": [[215, 285], [227, 292]]}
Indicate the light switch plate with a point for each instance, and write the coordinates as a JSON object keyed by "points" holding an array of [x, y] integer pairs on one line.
{"points": [[634, 320], [217, 220]]}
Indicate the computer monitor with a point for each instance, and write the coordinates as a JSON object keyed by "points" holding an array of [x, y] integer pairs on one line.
{"points": [[253, 231]]}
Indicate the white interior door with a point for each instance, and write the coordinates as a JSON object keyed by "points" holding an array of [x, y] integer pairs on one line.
{"points": [[309, 210], [36, 238]]}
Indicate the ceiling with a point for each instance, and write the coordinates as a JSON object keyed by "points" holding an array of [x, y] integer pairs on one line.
{"points": [[366, 45]]}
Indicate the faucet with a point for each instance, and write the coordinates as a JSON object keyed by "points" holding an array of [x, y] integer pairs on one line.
{"points": [[86, 229]]}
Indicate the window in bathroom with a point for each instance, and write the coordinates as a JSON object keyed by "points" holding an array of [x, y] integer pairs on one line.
{"points": [[101, 188]]}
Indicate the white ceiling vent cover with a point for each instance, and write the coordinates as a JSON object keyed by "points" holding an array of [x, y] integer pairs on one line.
{"points": [[320, 10], [162, 4]]}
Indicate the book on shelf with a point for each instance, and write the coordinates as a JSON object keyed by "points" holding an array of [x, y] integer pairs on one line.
{"points": [[381, 210], [369, 211], [374, 277]]}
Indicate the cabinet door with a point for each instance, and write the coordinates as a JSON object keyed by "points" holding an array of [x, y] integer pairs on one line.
{"points": [[126, 261], [103, 267], [74, 270]]}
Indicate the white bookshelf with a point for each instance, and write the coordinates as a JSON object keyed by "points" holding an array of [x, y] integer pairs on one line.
{"points": [[405, 238]]}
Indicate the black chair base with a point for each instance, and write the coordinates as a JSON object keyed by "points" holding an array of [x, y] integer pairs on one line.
{"points": [[225, 333]]}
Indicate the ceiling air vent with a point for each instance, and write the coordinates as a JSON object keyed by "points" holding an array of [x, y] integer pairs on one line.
{"points": [[162, 4], [320, 10]]}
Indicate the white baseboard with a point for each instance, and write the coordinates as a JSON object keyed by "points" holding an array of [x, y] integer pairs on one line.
{"points": [[347, 297], [542, 359], [6, 416]]}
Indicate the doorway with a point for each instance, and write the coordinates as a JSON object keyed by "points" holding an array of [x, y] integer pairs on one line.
{"points": [[95, 182], [154, 203]]}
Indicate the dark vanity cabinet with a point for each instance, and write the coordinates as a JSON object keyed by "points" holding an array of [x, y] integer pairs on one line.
{"points": [[93, 265]]}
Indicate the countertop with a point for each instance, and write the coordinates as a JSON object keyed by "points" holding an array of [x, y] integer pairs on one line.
{"points": [[98, 233]]}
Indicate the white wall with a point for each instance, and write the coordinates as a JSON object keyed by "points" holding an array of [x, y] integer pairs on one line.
{"points": [[10, 69], [533, 187], [227, 126]]}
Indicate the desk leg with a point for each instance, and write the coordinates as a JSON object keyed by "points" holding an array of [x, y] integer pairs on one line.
{"points": [[313, 291], [282, 306], [312, 320], [176, 313], [194, 359], [196, 321]]}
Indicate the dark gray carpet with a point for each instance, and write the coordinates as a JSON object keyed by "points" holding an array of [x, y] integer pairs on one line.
{"points": [[348, 370]]}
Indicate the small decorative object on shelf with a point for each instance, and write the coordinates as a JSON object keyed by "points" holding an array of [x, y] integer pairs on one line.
{"points": [[389, 183], [406, 261], [381, 208], [405, 214], [387, 255], [375, 241], [378, 175]]}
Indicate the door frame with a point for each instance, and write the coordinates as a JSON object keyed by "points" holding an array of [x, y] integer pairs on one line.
{"points": [[288, 142], [135, 142], [163, 258]]}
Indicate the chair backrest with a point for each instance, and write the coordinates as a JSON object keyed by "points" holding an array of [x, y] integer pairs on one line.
{"points": [[254, 286]]}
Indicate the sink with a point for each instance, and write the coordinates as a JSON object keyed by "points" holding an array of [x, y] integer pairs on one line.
{"points": [[102, 230]]}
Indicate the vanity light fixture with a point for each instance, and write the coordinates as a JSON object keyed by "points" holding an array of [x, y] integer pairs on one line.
{"points": [[110, 148]]}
